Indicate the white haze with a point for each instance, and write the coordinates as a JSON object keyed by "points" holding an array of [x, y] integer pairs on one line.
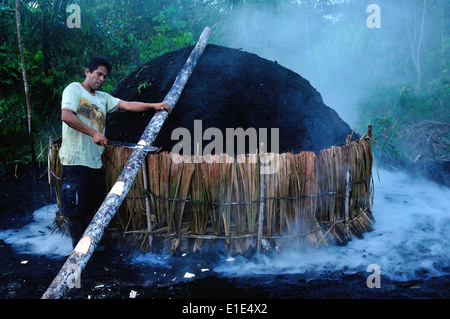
{"points": [[411, 236], [37, 237], [412, 222], [340, 65]]}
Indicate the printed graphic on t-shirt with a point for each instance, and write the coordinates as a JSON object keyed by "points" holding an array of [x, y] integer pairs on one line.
{"points": [[93, 113]]}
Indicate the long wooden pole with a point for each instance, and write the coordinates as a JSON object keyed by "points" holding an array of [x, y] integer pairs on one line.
{"points": [[147, 202], [71, 270], [262, 204]]}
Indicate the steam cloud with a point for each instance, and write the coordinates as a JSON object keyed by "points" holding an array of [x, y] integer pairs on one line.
{"points": [[411, 237], [334, 48]]}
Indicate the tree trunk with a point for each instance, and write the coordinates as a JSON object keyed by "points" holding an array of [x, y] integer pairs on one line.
{"points": [[45, 38], [415, 39], [27, 95], [419, 45], [80, 256]]}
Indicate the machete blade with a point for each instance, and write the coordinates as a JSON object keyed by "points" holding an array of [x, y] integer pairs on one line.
{"points": [[132, 145]]}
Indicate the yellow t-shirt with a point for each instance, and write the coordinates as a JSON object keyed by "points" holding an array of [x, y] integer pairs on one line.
{"points": [[78, 148]]}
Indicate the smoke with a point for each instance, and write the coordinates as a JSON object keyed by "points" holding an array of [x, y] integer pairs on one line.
{"points": [[411, 238], [327, 42], [331, 45], [37, 237]]}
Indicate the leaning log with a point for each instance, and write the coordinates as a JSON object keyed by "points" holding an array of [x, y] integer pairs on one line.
{"points": [[69, 274]]}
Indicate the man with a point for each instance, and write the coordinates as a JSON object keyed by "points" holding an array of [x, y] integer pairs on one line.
{"points": [[83, 114]]}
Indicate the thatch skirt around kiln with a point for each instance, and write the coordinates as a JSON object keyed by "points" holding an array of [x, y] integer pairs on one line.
{"points": [[225, 204]]}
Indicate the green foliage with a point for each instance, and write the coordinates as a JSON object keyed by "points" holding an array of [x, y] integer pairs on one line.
{"points": [[143, 85], [394, 111], [130, 33]]}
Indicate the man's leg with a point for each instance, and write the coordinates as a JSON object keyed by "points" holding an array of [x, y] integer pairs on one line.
{"points": [[97, 190], [74, 200], [96, 196]]}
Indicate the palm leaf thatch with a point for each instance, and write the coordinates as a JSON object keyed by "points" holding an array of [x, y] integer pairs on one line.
{"points": [[318, 199]]}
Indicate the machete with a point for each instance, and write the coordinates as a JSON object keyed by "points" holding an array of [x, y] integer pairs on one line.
{"points": [[132, 145]]}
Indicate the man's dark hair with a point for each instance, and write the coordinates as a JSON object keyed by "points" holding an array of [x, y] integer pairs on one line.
{"points": [[97, 61]]}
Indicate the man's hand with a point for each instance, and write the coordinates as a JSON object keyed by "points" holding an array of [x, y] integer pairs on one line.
{"points": [[71, 119], [99, 139], [163, 106]]}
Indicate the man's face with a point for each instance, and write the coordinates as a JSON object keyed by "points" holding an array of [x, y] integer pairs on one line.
{"points": [[96, 78]]}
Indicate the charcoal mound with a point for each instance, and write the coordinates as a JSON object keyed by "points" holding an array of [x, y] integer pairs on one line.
{"points": [[229, 88]]}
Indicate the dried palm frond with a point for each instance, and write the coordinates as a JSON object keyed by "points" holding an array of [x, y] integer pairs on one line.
{"points": [[427, 140], [198, 214], [312, 198]]}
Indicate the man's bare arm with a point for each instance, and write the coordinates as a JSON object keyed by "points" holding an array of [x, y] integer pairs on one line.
{"points": [[71, 119], [141, 106]]}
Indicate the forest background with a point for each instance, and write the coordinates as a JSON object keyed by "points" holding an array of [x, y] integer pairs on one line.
{"points": [[384, 63]]}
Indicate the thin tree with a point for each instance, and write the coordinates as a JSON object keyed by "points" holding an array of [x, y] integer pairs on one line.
{"points": [[415, 36], [27, 95]]}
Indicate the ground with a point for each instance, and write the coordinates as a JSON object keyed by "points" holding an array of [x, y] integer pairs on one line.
{"points": [[115, 274]]}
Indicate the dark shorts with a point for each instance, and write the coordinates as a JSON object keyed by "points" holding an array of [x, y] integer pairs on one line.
{"points": [[82, 193]]}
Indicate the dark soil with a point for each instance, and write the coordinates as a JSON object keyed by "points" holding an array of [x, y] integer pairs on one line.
{"points": [[229, 88], [114, 274]]}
